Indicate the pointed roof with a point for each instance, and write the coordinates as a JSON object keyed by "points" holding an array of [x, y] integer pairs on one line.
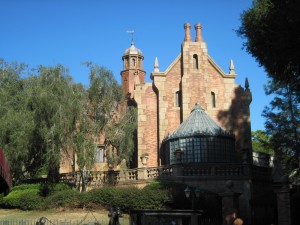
{"points": [[199, 123]]}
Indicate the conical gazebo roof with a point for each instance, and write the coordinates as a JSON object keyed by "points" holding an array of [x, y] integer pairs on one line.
{"points": [[199, 123]]}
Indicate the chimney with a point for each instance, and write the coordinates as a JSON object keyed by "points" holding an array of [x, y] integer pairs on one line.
{"points": [[187, 28], [198, 28]]}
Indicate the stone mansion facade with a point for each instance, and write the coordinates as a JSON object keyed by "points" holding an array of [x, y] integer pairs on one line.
{"points": [[194, 128], [193, 77]]}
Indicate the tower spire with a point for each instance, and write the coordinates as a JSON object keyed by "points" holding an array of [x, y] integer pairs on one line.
{"points": [[156, 66], [231, 67]]}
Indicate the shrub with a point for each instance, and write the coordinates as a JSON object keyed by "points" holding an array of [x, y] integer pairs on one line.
{"points": [[25, 187], [30, 200], [20, 199], [127, 198], [65, 198], [28, 197]]}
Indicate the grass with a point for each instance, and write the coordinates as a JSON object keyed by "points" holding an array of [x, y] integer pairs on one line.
{"points": [[69, 215]]}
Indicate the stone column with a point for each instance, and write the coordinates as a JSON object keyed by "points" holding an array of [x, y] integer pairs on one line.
{"points": [[283, 205], [229, 202]]}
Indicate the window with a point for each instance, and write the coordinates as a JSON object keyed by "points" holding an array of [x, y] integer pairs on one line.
{"points": [[133, 62], [99, 155], [178, 98], [195, 62], [213, 99]]}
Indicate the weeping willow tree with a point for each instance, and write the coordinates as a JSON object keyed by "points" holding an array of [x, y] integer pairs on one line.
{"points": [[36, 117], [44, 114], [114, 120]]}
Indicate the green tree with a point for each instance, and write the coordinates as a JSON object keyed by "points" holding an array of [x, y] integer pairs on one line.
{"points": [[45, 115], [108, 108], [261, 142], [283, 123], [16, 123], [271, 31], [272, 36], [121, 135], [37, 118]]}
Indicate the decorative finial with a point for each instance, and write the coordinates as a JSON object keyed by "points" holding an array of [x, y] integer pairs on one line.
{"points": [[156, 66], [131, 32], [231, 67], [197, 107], [246, 83]]}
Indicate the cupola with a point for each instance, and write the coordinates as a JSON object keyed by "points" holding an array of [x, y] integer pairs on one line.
{"points": [[132, 73]]}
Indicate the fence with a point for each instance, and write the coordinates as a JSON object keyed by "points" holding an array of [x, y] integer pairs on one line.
{"points": [[45, 221]]}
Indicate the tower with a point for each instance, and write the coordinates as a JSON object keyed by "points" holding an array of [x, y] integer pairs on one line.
{"points": [[132, 73]]}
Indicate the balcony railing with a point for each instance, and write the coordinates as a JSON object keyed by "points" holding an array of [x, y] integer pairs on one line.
{"points": [[207, 171]]}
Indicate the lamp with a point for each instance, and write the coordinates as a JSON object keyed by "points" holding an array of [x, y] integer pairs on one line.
{"points": [[178, 155], [193, 193]]}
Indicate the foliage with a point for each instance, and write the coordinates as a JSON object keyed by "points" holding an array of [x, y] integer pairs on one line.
{"points": [[26, 187], [46, 188], [121, 134], [64, 198], [261, 142], [113, 118], [283, 122], [35, 118], [30, 200], [45, 115], [20, 199], [127, 198], [271, 29]]}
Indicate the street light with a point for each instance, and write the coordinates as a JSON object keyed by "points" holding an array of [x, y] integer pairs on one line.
{"points": [[193, 193], [114, 214]]}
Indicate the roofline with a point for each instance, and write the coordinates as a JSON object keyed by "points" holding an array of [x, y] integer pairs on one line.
{"points": [[223, 74]]}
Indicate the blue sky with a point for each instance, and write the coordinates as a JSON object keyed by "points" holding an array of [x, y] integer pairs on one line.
{"points": [[69, 32]]}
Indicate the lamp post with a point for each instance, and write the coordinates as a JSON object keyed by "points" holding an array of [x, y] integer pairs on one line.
{"points": [[114, 214], [192, 193], [178, 156]]}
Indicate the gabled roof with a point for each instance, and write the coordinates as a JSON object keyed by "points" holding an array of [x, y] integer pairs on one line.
{"points": [[199, 123]]}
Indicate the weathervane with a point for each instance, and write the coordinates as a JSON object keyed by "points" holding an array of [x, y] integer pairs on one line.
{"points": [[131, 32]]}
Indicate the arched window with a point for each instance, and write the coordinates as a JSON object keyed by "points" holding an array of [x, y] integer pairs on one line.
{"points": [[133, 62], [213, 99], [195, 61]]}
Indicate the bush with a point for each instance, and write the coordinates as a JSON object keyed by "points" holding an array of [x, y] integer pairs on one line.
{"points": [[28, 197], [47, 189], [23, 199], [65, 198], [128, 198], [30, 200], [25, 187]]}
